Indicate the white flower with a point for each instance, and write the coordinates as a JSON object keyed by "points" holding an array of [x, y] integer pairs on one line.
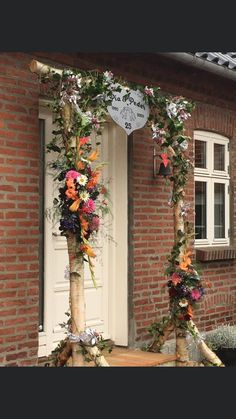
{"points": [[183, 302], [84, 195], [108, 76], [78, 81], [172, 110], [158, 133], [184, 145], [88, 115], [82, 180]]}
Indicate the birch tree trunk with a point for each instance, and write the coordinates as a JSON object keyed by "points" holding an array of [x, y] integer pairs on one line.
{"points": [[181, 341], [77, 306], [156, 345], [77, 301], [181, 346], [207, 353]]}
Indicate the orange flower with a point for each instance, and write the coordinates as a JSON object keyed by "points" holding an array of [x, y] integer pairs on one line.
{"points": [[84, 140], [88, 250], [74, 207], [80, 165], [71, 193], [207, 284], [94, 180], [70, 183], [84, 225], [93, 156], [190, 311], [185, 262]]}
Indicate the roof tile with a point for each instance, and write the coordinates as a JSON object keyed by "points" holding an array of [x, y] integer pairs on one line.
{"points": [[227, 59]]}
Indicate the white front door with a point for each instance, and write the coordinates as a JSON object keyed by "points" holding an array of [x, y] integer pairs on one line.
{"points": [[106, 305]]}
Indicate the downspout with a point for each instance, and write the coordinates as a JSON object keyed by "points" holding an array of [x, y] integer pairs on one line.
{"points": [[200, 63]]}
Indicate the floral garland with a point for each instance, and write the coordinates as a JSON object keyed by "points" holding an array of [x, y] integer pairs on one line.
{"points": [[79, 202], [80, 106]]}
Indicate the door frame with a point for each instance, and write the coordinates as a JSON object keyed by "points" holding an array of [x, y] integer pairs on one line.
{"points": [[116, 144]]}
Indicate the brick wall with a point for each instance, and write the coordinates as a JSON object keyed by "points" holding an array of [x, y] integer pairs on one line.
{"points": [[153, 234], [19, 215]]}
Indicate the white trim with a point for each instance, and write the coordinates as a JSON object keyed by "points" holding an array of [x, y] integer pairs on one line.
{"points": [[118, 270], [211, 176]]}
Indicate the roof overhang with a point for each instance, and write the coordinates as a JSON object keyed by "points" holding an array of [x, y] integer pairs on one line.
{"points": [[201, 63]]}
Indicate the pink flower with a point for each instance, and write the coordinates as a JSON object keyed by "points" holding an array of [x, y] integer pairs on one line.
{"points": [[72, 174], [183, 115], [195, 294], [149, 91], [94, 225], [89, 206], [95, 123], [175, 278]]}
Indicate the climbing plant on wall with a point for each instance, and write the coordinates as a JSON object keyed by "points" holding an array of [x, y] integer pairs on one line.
{"points": [[80, 100]]}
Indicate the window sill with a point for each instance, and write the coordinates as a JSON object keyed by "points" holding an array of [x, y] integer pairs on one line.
{"points": [[208, 254]]}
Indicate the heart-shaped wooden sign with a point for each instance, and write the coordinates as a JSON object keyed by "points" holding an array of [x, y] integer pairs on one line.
{"points": [[128, 109]]}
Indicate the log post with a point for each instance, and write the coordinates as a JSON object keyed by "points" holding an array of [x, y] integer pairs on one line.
{"points": [[207, 353], [179, 229]]}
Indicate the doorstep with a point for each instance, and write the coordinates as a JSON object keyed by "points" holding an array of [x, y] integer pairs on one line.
{"points": [[125, 357]]}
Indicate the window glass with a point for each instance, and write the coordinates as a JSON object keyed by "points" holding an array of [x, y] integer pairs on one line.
{"points": [[200, 154], [200, 210], [219, 157], [219, 210]]}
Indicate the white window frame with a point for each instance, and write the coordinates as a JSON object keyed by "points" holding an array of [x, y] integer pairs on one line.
{"points": [[211, 176]]}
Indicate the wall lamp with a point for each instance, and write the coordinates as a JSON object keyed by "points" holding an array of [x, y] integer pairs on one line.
{"points": [[164, 168]]}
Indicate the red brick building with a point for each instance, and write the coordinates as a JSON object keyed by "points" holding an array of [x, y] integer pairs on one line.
{"points": [[31, 303]]}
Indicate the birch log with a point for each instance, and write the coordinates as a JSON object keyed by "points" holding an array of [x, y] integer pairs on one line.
{"points": [[77, 301], [64, 355], [42, 69], [158, 343], [181, 341], [181, 346], [207, 353]]}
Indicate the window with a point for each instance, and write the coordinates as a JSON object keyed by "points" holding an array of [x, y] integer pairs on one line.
{"points": [[211, 176]]}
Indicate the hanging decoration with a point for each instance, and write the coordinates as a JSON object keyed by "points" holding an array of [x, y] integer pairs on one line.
{"points": [[128, 108], [81, 102]]}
